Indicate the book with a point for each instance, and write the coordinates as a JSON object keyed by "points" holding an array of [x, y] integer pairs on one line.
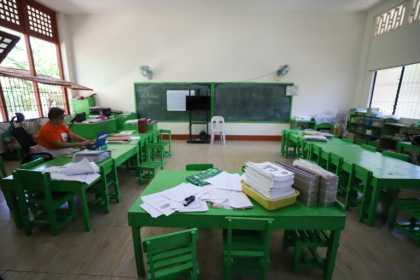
{"points": [[118, 139]]}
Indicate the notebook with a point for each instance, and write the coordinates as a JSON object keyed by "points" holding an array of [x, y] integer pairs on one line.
{"points": [[100, 141]]}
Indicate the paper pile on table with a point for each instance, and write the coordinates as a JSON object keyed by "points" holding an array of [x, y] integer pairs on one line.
{"points": [[305, 182], [269, 179], [328, 184], [91, 155], [223, 190]]}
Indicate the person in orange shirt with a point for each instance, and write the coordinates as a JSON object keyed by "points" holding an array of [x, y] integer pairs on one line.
{"points": [[53, 135]]}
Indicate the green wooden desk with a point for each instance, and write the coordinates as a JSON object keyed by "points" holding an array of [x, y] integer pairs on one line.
{"points": [[120, 153], [91, 130], [296, 216], [7, 186], [387, 172]]}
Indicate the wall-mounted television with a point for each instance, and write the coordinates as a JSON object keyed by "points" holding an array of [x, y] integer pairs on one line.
{"points": [[198, 103]]}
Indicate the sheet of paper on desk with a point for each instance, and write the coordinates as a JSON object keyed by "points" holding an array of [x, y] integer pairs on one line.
{"points": [[195, 206], [124, 133], [226, 181], [152, 211], [57, 174], [239, 200], [158, 202], [180, 192], [81, 167]]}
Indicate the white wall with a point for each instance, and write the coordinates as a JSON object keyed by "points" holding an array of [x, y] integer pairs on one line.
{"points": [[322, 49], [395, 48]]}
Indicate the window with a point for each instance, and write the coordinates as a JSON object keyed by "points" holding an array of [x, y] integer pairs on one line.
{"points": [[415, 11], [38, 52], [396, 91], [390, 20]]}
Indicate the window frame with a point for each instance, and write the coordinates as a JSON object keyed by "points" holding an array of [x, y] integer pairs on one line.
{"points": [[24, 27], [397, 94]]}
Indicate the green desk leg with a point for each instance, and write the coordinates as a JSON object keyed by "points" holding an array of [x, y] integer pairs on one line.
{"points": [[138, 253], [332, 254], [373, 204], [85, 210], [12, 202]]}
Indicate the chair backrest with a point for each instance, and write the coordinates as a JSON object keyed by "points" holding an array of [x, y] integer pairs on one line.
{"points": [[198, 166], [368, 148], [217, 123], [361, 174], [2, 169], [399, 156], [24, 139], [163, 132], [336, 161], [172, 254], [151, 149], [34, 181], [248, 224], [32, 164]]}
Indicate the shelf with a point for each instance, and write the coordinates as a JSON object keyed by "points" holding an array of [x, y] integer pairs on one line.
{"points": [[369, 126], [361, 133]]}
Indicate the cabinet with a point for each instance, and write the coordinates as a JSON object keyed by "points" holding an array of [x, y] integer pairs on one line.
{"points": [[370, 130], [80, 106]]}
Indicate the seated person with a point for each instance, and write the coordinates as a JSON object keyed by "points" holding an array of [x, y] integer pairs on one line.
{"points": [[53, 135]]}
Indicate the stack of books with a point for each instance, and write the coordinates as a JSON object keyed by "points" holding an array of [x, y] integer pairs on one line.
{"points": [[269, 179], [306, 183]]}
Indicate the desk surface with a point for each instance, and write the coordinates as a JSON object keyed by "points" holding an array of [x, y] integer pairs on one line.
{"points": [[382, 167], [166, 179], [296, 216]]}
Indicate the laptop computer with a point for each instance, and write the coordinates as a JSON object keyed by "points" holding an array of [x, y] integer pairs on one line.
{"points": [[100, 141]]}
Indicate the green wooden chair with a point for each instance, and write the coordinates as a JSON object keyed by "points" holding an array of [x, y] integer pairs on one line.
{"points": [[334, 165], [411, 225], [246, 244], [2, 169], [102, 189], [359, 182], [399, 156], [165, 134], [172, 255], [312, 258], [32, 164], [368, 147], [198, 166], [347, 140], [148, 168], [34, 194], [291, 142], [391, 194], [314, 155]]}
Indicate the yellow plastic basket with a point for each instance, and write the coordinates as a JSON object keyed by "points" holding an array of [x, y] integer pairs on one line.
{"points": [[269, 204]]}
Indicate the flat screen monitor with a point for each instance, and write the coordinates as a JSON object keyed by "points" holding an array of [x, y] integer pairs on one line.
{"points": [[198, 103]]}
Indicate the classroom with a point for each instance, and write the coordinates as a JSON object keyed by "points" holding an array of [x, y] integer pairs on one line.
{"points": [[333, 51]]}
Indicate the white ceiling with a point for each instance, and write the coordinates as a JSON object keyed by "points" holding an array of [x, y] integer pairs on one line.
{"points": [[73, 7]]}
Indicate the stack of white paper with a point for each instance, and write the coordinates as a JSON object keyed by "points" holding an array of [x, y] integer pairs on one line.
{"points": [[269, 179], [94, 156]]}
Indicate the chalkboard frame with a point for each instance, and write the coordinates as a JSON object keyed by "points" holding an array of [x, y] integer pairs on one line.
{"points": [[212, 94]]}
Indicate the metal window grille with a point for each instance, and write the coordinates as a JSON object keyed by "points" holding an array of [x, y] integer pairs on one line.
{"points": [[51, 96], [19, 97]]}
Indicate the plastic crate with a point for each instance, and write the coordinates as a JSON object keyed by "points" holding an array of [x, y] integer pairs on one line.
{"points": [[269, 204]]}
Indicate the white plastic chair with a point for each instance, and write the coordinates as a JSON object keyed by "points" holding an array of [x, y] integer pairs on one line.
{"points": [[217, 127]]}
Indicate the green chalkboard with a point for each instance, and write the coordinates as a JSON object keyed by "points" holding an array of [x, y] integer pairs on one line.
{"points": [[151, 101], [253, 102]]}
